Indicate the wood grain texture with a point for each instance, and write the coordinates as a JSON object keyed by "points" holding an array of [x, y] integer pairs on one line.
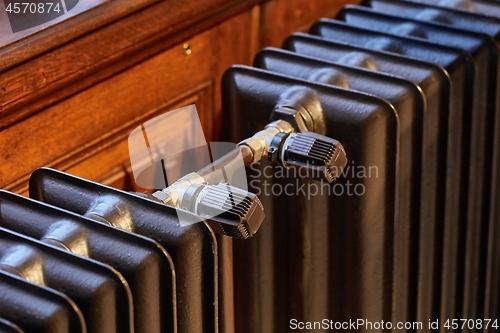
{"points": [[279, 18], [87, 16], [232, 48], [73, 126], [75, 66], [106, 160]]}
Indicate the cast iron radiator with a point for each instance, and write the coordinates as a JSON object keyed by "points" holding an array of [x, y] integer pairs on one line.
{"points": [[404, 230]]}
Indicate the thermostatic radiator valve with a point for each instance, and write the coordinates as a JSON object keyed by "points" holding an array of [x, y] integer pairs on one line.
{"points": [[294, 138], [320, 157], [227, 209]]}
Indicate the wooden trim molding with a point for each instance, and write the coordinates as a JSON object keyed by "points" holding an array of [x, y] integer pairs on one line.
{"points": [[92, 159], [72, 25], [33, 81]]}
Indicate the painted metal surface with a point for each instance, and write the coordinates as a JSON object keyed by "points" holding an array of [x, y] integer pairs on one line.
{"points": [[314, 257], [145, 264], [193, 248]]}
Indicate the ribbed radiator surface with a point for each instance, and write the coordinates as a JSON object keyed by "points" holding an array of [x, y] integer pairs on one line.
{"points": [[420, 244], [408, 236]]}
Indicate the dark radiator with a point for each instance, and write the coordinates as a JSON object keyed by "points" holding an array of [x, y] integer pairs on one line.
{"points": [[408, 233]]}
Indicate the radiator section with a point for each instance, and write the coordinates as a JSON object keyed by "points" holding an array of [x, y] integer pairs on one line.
{"points": [[294, 248], [36, 308], [144, 263], [193, 249]]}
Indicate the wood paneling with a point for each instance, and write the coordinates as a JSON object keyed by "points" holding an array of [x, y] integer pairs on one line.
{"points": [[283, 17], [73, 67], [73, 127], [99, 165], [233, 48]]}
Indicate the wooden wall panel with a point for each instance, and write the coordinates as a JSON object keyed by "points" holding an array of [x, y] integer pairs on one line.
{"points": [[102, 164], [7, 37], [74, 127], [236, 40], [35, 84], [279, 18]]}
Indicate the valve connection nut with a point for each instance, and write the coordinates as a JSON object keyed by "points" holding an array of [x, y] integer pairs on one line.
{"points": [[256, 146]]}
